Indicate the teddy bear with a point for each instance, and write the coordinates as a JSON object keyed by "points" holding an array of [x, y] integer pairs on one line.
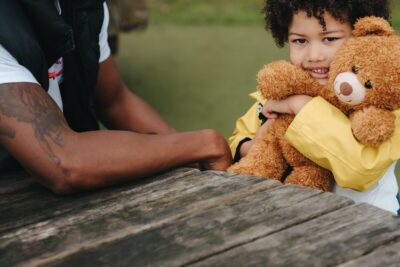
{"points": [[364, 83]]}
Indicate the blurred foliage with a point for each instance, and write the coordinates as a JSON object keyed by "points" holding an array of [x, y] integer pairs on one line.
{"points": [[227, 12], [127, 15], [206, 11], [396, 14]]}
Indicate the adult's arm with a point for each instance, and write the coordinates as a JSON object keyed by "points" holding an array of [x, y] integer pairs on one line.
{"points": [[322, 133], [33, 130], [121, 109]]}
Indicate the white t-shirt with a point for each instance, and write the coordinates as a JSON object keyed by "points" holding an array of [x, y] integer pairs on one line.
{"points": [[382, 195], [11, 71]]}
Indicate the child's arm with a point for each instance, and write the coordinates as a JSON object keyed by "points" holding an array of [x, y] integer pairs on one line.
{"points": [[248, 128], [244, 132], [323, 133], [291, 105]]}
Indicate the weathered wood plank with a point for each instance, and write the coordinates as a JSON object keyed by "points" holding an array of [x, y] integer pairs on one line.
{"points": [[385, 256], [11, 182], [199, 235], [22, 207], [325, 241], [144, 208]]}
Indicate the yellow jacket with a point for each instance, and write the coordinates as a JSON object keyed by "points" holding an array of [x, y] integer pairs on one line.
{"points": [[247, 125], [323, 134]]}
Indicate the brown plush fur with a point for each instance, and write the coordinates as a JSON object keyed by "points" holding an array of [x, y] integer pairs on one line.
{"points": [[372, 58]]}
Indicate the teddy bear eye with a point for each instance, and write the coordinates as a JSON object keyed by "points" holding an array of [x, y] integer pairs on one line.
{"points": [[355, 69], [368, 84]]}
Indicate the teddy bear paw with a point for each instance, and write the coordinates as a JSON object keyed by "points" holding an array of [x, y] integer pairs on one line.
{"points": [[372, 126]]}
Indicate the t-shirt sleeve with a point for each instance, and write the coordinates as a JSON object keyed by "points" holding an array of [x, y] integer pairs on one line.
{"points": [[323, 134], [105, 50], [11, 71]]}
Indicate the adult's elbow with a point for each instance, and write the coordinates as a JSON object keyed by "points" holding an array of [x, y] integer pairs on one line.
{"points": [[64, 180], [62, 188]]}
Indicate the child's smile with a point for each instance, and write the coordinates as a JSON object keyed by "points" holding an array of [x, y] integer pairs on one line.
{"points": [[320, 73], [312, 47]]}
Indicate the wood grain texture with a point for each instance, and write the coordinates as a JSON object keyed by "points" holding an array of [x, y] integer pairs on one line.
{"points": [[11, 182], [144, 207], [185, 217], [202, 234], [327, 240], [35, 203], [384, 256]]}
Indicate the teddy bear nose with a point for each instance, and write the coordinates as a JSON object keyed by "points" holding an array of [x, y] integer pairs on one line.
{"points": [[346, 89]]}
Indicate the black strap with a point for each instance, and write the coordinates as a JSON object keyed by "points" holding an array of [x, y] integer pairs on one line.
{"points": [[81, 65], [18, 36], [54, 34]]}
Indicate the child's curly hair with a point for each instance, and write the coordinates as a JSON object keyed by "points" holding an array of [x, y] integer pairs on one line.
{"points": [[278, 13]]}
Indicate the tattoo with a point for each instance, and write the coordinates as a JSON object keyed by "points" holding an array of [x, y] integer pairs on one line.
{"points": [[4, 131], [29, 103]]}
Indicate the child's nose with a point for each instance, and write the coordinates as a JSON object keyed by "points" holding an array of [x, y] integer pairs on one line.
{"points": [[315, 53]]}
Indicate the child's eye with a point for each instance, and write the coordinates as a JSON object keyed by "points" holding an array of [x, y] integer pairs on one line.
{"points": [[299, 41], [330, 39]]}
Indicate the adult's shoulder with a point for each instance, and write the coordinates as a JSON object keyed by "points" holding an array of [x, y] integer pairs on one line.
{"points": [[11, 71]]}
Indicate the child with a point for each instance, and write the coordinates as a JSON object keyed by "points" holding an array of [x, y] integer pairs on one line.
{"points": [[314, 31]]}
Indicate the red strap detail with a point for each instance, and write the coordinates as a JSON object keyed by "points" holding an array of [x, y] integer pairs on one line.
{"points": [[53, 74]]}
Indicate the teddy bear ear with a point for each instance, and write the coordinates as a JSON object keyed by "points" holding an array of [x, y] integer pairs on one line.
{"points": [[372, 26]]}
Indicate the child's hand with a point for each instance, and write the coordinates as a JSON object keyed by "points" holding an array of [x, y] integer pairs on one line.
{"points": [[291, 105]]}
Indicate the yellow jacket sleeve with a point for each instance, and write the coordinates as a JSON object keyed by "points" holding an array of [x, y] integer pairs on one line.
{"points": [[246, 126], [323, 133]]}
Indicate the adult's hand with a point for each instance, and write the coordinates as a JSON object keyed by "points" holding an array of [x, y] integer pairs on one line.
{"points": [[220, 158]]}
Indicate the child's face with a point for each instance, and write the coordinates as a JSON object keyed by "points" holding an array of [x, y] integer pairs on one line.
{"points": [[312, 48]]}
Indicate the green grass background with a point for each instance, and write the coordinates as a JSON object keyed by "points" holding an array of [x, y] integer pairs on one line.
{"points": [[197, 61], [197, 76]]}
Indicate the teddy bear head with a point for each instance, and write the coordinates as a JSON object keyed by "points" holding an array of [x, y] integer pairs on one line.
{"points": [[366, 69]]}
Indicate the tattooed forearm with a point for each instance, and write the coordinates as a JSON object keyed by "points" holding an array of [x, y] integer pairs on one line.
{"points": [[27, 102], [4, 131]]}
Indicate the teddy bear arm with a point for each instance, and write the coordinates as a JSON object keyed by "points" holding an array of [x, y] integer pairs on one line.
{"points": [[263, 159], [281, 79], [312, 176], [372, 126]]}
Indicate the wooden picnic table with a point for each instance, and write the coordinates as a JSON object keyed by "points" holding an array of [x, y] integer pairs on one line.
{"points": [[192, 218]]}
